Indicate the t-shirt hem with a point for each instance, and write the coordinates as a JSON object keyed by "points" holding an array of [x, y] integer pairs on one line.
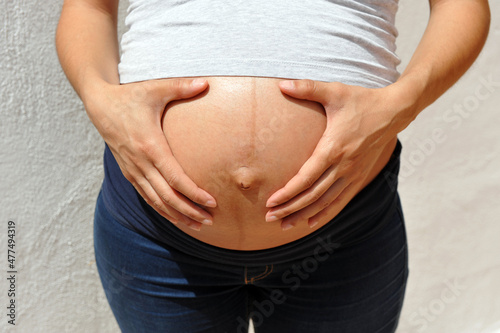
{"points": [[256, 68]]}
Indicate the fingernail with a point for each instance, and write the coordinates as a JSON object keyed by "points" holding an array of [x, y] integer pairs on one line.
{"points": [[196, 227], [271, 204], [271, 218], [286, 227], [210, 203], [313, 224], [287, 84], [207, 222], [196, 83]]}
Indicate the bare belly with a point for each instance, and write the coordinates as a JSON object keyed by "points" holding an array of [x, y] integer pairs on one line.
{"points": [[241, 141]]}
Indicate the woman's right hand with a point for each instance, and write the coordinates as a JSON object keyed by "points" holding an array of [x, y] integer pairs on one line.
{"points": [[128, 117]]}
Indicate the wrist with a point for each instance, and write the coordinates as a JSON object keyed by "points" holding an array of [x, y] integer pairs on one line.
{"points": [[94, 88], [97, 97], [406, 101]]}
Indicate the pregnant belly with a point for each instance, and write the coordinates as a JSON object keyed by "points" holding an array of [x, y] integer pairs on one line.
{"points": [[242, 140]]}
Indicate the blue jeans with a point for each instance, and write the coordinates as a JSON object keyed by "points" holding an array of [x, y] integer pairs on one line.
{"points": [[152, 286]]}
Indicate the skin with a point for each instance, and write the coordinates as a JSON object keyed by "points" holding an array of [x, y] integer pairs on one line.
{"points": [[128, 117], [358, 120], [361, 119], [241, 140]]}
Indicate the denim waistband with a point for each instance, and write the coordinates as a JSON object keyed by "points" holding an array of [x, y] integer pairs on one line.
{"points": [[368, 212]]}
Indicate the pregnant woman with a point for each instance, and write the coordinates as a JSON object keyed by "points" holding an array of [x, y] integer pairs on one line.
{"points": [[251, 156]]}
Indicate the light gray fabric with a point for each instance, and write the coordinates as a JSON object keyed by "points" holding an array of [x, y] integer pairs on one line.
{"points": [[328, 40]]}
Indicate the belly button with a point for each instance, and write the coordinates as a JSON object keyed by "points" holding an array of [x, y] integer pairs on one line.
{"points": [[245, 178], [244, 186]]}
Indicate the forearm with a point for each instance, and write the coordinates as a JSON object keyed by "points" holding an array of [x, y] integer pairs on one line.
{"points": [[87, 45], [454, 36]]}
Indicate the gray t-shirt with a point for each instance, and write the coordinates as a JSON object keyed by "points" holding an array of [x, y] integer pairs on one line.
{"points": [[349, 41]]}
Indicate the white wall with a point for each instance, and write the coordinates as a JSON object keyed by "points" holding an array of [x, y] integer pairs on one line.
{"points": [[51, 170], [450, 190]]}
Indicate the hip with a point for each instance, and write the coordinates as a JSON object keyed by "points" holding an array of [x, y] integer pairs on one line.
{"points": [[362, 218]]}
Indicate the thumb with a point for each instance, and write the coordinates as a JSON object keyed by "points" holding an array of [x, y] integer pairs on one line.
{"points": [[310, 90], [173, 89]]}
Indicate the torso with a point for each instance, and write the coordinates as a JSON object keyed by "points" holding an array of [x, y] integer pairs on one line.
{"points": [[241, 141]]}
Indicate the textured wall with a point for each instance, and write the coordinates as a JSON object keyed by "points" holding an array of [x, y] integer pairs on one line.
{"points": [[51, 170], [450, 188]]}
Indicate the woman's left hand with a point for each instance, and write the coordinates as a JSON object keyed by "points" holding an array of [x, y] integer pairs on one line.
{"points": [[359, 123], [361, 120]]}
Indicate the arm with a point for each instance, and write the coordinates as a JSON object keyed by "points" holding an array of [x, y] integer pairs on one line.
{"points": [[360, 120], [128, 116], [454, 37]]}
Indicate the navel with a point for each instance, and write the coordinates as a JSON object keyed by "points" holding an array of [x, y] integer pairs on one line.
{"points": [[246, 178]]}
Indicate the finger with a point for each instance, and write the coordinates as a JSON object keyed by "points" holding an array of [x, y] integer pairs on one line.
{"points": [[308, 174], [310, 90], [168, 197], [151, 202], [326, 214], [174, 89], [305, 198], [151, 197], [187, 213], [158, 151], [174, 175], [154, 157], [332, 195]]}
